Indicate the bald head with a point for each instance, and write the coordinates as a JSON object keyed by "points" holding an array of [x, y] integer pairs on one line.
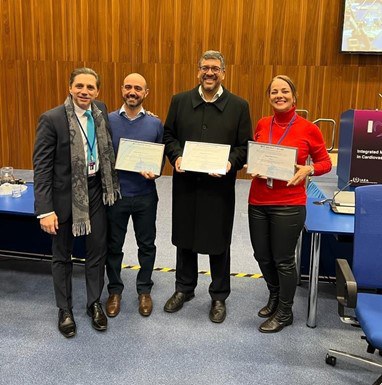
{"points": [[134, 92], [136, 78]]}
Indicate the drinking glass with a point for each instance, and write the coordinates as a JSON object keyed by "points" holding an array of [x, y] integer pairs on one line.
{"points": [[16, 191], [7, 175]]}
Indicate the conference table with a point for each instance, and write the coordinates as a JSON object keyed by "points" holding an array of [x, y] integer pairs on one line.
{"points": [[320, 219], [23, 205], [20, 233]]}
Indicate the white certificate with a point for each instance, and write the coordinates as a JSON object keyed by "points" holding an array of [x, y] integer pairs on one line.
{"points": [[137, 156], [270, 160], [211, 158]]}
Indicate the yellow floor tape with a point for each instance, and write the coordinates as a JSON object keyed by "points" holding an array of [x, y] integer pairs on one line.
{"points": [[171, 270]]}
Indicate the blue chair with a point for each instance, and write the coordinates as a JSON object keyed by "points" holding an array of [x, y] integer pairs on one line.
{"points": [[361, 287]]}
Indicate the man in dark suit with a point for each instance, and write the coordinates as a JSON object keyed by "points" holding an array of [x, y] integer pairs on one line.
{"points": [[74, 178], [203, 204]]}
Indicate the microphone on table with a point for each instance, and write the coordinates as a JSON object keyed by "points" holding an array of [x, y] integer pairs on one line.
{"points": [[326, 200]]}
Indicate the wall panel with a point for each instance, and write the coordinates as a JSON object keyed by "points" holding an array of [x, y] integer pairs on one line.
{"points": [[43, 40]]}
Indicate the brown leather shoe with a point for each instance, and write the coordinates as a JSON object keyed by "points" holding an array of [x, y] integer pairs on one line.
{"points": [[145, 304], [113, 305]]}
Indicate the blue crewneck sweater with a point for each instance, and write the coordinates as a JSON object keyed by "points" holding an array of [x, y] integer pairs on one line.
{"points": [[146, 128]]}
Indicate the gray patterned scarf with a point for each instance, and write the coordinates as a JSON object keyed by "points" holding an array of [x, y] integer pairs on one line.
{"points": [[110, 185]]}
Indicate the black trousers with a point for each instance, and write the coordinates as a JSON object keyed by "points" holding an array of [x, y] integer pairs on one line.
{"points": [[274, 231], [143, 211], [186, 275], [62, 246]]}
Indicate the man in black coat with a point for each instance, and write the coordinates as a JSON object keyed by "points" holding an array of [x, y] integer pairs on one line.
{"points": [[204, 204], [74, 178]]}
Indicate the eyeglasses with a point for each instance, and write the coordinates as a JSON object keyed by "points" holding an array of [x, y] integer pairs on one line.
{"points": [[214, 69]]}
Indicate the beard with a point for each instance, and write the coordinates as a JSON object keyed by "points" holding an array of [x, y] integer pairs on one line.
{"points": [[207, 86], [133, 101]]}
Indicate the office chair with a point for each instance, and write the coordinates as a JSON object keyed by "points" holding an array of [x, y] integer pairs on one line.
{"points": [[361, 287]]}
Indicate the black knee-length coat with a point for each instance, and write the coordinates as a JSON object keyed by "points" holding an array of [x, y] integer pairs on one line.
{"points": [[203, 206]]}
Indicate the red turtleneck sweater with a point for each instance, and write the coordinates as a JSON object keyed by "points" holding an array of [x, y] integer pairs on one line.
{"points": [[302, 134]]}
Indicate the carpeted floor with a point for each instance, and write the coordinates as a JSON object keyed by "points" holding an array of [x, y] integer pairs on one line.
{"points": [[170, 349], [180, 348]]}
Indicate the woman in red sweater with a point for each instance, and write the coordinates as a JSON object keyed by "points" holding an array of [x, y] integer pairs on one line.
{"points": [[276, 208]]}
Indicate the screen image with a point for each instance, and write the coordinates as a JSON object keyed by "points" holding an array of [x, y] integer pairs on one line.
{"points": [[362, 26]]}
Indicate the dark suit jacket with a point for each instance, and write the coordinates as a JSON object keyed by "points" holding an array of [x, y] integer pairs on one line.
{"points": [[203, 206], [52, 163]]}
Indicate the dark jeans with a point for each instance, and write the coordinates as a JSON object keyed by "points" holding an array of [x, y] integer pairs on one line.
{"points": [[143, 211], [187, 273], [274, 232]]}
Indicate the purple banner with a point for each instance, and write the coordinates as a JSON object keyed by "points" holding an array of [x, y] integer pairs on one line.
{"points": [[366, 158]]}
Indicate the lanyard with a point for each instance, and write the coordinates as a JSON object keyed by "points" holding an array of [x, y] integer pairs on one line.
{"points": [[91, 146], [285, 132]]}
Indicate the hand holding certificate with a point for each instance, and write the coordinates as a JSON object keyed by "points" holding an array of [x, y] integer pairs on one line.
{"points": [[272, 161], [138, 156], [204, 157]]}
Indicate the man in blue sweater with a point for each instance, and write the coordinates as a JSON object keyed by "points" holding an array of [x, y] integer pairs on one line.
{"points": [[139, 198]]}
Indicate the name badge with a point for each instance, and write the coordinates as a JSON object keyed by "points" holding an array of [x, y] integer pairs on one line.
{"points": [[91, 168]]}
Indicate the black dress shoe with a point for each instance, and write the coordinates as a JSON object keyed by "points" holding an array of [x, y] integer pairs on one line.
{"points": [[276, 322], [99, 320], [218, 311], [66, 324], [176, 301]]}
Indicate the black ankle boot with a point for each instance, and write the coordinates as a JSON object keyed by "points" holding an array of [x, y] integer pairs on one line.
{"points": [[280, 319], [270, 308]]}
